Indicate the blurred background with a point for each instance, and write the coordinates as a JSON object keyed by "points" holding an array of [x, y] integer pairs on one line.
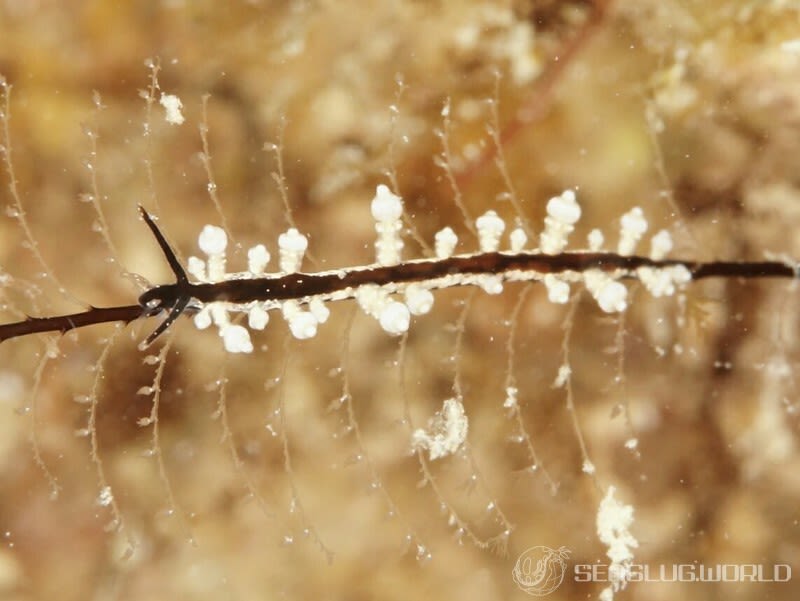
{"points": [[288, 473]]}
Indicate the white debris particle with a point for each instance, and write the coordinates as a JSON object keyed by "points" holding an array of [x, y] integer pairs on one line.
{"points": [[588, 467], [106, 497], [395, 318], [511, 397], [446, 432], [564, 372], [236, 339], [212, 240], [613, 522], [172, 105], [319, 310]]}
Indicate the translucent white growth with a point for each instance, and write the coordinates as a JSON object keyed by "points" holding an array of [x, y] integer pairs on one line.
{"points": [[212, 240], [445, 242], [562, 214], [613, 522], [236, 339], [292, 246], [596, 240], [660, 245], [172, 105], [394, 318], [446, 432], [386, 206], [490, 228], [257, 259], [633, 226], [257, 318], [611, 295], [518, 239], [557, 289], [418, 299], [302, 324], [662, 282]]}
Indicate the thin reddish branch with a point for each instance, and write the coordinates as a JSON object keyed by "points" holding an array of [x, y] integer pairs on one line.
{"points": [[540, 97]]}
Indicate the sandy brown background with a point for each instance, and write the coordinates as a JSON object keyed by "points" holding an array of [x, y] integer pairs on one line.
{"points": [[707, 86]]}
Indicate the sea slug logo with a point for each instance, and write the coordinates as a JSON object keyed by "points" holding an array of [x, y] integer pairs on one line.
{"points": [[540, 570]]}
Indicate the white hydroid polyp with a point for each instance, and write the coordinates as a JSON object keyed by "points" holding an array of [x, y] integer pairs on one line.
{"points": [[386, 206], [257, 318], [517, 239], [257, 259], [557, 289], [596, 240], [418, 299], [395, 318], [565, 208], [611, 295], [172, 105], [236, 339], [562, 213], [490, 228], [660, 245], [302, 324], [212, 240], [445, 241], [633, 225], [292, 246]]}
